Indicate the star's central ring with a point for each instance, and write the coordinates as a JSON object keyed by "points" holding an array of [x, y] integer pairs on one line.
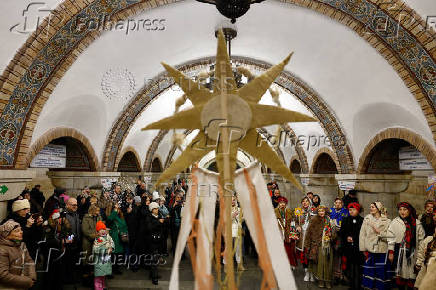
{"points": [[238, 117]]}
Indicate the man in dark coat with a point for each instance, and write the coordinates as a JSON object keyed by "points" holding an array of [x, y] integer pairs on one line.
{"points": [[175, 221], [72, 251], [37, 196], [349, 235], [83, 202], [350, 197]]}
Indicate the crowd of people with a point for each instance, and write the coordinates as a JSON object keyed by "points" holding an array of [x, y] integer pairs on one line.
{"points": [[45, 244], [338, 246], [88, 238]]}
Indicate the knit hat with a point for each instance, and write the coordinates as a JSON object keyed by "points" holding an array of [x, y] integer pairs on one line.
{"points": [[8, 227], [20, 204], [55, 214], [153, 205], [355, 205], [137, 199], [100, 226], [155, 195]]}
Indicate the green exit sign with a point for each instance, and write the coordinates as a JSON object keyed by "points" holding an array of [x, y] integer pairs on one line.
{"points": [[3, 189]]}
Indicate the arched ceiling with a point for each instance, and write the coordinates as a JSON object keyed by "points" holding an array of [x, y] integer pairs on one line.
{"points": [[349, 75]]}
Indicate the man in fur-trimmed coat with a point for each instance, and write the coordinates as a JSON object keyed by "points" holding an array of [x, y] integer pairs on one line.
{"points": [[286, 223]]}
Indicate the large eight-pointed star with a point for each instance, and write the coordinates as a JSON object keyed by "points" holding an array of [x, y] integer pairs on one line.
{"points": [[229, 108]]}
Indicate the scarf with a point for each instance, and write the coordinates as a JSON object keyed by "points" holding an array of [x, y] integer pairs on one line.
{"points": [[409, 240], [326, 234]]}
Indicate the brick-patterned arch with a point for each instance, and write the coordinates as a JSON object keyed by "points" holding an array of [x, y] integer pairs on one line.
{"points": [[303, 162], [286, 80], [152, 149], [59, 132], [48, 53], [330, 153], [129, 149], [398, 133]]}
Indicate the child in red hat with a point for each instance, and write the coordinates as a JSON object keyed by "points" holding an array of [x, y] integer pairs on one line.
{"points": [[102, 249]]}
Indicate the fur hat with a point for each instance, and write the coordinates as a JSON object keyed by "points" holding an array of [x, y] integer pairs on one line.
{"points": [[8, 227], [153, 205], [100, 226], [20, 204]]}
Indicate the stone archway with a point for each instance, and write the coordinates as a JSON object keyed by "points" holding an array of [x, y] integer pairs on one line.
{"points": [[320, 153], [398, 133], [41, 62], [60, 132]]}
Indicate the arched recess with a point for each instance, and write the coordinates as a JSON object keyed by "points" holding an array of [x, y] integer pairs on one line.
{"points": [[129, 161], [286, 80], [156, 165], [60, 132], [295, 165], [325, 162], [397, 133], [48, 53]]}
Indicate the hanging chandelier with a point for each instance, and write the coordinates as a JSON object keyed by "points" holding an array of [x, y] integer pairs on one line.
{"points": [[232, 9]]}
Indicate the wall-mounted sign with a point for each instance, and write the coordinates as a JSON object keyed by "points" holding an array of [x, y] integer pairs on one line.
{"points": [[431, 182], [412, 159], [51, 156], [304, 181], [346, 185], [3, 189]]}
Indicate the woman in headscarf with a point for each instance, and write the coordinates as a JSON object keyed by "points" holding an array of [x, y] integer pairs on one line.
{"points": [[302, 219], [377, 272], [286, 223], [404, 235], [316, 201], [17, 269], [319, 248], [337, 214]]}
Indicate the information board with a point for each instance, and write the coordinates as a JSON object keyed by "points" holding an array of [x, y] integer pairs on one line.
{"points": [[51, 156]]}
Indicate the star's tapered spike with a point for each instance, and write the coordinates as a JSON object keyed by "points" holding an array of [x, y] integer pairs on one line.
{"points": [[260, 150], [254, 90], [224, 78], [193, 152], [187, 119], [270, 115], [195, 91]]}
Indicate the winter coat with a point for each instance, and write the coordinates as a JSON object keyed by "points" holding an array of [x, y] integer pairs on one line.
{"points": [[154, 237], [31, 236], [117, 226], [421, 259], [314, 234], [284, 223], [396, 232], [17, 269], [142, 230], [429, 280], [89, 234], [76, 229], [351, 228], [132, 225], [369, 240], [38, 197], [427, 223], [102, 261]]}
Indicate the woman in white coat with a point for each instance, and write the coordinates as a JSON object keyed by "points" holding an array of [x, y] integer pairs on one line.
{"points": [[404, 235], [377, 271]]}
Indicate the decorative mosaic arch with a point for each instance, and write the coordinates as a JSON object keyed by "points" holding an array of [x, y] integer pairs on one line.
{"points": [[132, 150], [286, 81], [152, 149], [327, 151], [41, 62], [398, 133], [302, 159], [59, 132]]}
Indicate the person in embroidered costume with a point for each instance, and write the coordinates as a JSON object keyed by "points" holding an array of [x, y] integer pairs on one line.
{"points": [[286, 224], [426, 255], [404, 235], [318, 247], [302, 218], [338, 213], [377, 272]]}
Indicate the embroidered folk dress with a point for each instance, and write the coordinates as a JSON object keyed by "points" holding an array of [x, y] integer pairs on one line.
{"points": [[285, 222]]}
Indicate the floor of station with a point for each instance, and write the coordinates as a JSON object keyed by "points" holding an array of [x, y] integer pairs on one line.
{"points": [[249, 279]]}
